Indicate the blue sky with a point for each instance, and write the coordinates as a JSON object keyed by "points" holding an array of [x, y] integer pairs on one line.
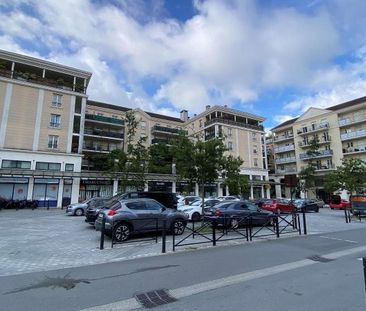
{"points": [[275, 58]]}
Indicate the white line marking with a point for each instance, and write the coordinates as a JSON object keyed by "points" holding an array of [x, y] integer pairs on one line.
{"points": [[132, 304], [329, 238]]}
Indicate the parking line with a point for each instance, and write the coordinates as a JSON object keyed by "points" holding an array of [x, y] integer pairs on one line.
{"points": [[329, 238], [178, 293]]}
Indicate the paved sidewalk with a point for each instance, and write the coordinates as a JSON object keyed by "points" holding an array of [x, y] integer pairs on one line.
{"points": [[42, 240]]}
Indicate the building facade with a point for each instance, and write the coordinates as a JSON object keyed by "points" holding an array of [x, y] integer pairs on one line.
{"points": [[340, 131], [51, 134], [42, 107]]}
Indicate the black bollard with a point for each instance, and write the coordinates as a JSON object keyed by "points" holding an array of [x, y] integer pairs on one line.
{"points": [[101, 246], [163, 242]]}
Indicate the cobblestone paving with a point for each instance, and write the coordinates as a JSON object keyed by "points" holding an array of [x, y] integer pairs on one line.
{"points": [[42, 240]]}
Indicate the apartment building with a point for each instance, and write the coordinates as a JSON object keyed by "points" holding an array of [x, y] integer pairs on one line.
{"points": [[340, 131], [42, 107], [244, 137], [51, 134]]}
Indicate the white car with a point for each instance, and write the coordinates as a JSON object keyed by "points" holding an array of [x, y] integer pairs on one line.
{"points": [[228, 198], [194, 210]]}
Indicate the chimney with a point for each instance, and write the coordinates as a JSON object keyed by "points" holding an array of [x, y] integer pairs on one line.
{"points": [[184, 115], [208, 107]]}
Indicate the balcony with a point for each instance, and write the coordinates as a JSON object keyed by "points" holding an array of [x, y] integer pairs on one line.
{"points": [[283, 137], [320, 154], [36, 78], [104, 134], [305, 144], [284, 148], [313, 129], [98, 149], [168, 130], [287, 170], [354, 150], [103, 119], [348, 121], [285, 160], [352, 135], [235, 123]]}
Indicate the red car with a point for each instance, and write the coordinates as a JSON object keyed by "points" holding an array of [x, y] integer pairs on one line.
{"points": [[337, 203], [278, 205]]}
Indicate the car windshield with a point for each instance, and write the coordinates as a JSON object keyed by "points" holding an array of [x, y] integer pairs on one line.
{"points": [[251, 206], [196, 203], [223, 205], [299, 202]]}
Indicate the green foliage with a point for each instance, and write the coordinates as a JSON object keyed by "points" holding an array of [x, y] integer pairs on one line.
{"points": [[160, 159], [236, 183], [350, 176]]}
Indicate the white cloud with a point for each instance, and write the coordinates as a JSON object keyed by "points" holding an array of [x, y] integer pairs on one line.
{"points": [[229, 52], [282, 118]]}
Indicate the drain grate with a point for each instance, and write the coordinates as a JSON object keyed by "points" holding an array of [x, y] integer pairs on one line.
{"points": [[154, 298], [319, 258]]}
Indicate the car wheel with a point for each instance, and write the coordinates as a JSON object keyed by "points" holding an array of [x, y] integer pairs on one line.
{"points": [[178, 227], [234, 223], [317, 210], [121, 232], [79, 212], [196, 216]]}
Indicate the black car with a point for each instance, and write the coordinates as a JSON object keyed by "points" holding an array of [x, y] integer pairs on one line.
{"points": [[306, 205], [236, 213], [167, 199]]}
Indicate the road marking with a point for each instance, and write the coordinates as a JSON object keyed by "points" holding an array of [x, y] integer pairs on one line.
{"points": [[329, 238], [182, 292]]}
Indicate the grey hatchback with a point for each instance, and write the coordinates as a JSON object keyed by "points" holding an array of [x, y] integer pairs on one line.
{"points": [[126, 217]]}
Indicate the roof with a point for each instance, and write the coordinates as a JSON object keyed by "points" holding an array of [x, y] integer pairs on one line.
{"points": [[332, 108], [124, 109]]}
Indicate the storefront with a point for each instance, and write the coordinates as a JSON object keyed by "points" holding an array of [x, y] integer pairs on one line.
{"points": [[164, 186], [13, 188], [45, 191], [90, 188]]}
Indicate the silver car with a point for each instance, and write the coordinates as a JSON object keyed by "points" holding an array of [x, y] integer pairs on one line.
{"points": [[78, 209], [127, 217]]}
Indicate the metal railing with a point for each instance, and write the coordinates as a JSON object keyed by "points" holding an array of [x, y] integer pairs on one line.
{"points": [[317, 154], [355, 134], [235, 123], [284, 148], [104, 119]]}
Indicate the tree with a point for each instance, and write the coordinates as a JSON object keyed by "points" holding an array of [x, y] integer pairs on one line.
{"points": [[307, 174], [160, 159], [232, 176]]}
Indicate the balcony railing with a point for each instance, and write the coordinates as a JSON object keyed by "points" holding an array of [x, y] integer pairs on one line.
{"points": [[97, 149], [108, 134], [284, 148], [104, 119], [168, 130], [355, 134], [304, 144], [288, 170], [285, 160], [34, 78], [283, 137], [320, 153], [356, 149], [235, 123], [312, 129], [347, 121]]}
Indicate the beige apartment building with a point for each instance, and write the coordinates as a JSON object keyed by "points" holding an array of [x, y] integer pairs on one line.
{"points": [[42, 106], [49, 132], [340, 130]]}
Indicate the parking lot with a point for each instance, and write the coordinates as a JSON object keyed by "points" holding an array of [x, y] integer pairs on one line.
{"points": [[42, 240]]}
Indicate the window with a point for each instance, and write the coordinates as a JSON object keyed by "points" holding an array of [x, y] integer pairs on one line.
{"points": [[47, 166], [229, 132], [153, 206], [138, 205], [254, 136], [255, 162], [230, 145], [56, 100], [143, 125], [16, 164], [55, 120], [53, 141], [69, 167], [201, 124]]}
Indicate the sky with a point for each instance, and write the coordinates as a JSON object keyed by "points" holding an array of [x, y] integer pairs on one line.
{"points": [[273, 58]]}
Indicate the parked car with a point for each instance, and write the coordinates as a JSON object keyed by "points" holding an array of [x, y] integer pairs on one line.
{"points": [[278, 205], [125, 217], [194, 210], [228, 198], [188, 200], [358, 203], [319, 202], [306, 205], [233, 214], [79, 209], [337, 202]]}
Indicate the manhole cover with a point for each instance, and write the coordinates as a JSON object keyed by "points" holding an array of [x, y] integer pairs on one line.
{"points": [[154, 298], [319, 258]]}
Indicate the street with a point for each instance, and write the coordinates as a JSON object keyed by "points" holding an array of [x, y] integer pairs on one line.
{"points": [[270, 275]]}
